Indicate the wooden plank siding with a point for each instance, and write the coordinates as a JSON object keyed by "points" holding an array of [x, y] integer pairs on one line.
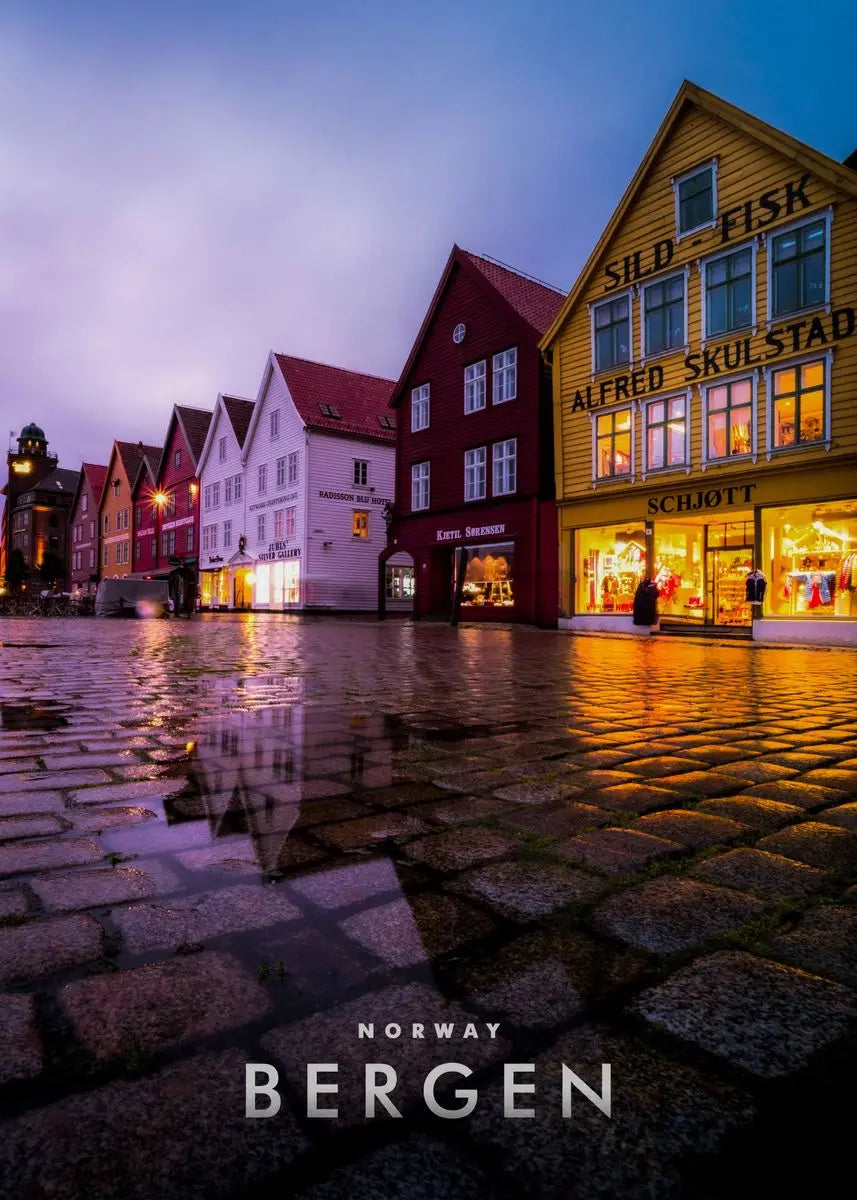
{"points": [[746, 168]]}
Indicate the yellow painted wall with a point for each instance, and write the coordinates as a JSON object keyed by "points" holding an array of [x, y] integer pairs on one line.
{"points": [[112, 505], [746, 169]]}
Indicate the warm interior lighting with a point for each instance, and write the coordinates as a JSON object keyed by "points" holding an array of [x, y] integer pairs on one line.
{"points": [[22, 468], [194, 488], [251, 578]]}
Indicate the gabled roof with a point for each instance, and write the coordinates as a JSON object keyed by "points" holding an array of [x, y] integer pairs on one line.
{"points": [[837, 174], [527, 299], [95, 476], [131, 455], [194, 424], [320, 391], [239, 412], [148, 466], [60, 480]]}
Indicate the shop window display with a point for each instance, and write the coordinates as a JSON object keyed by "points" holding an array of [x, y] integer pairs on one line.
{"points": [[610, 563], [679, 570], [489, 576], [811, 560]]}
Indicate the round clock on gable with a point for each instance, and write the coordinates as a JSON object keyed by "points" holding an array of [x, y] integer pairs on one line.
{"points": [[458, 334]]}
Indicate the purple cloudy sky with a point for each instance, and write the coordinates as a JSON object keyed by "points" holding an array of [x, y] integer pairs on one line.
{"points": [[184, 187]]}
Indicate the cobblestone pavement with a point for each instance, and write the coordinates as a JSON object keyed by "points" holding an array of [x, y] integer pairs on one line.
{"points": [[233, 840]]}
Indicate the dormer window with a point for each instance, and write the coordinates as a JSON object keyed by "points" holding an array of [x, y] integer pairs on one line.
{"points": [[330, 411], [696, 199]]}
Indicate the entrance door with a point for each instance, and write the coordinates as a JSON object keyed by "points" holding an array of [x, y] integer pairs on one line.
{"points": [[242, 589], [726, 574]]}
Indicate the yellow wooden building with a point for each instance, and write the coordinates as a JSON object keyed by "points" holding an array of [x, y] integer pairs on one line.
{"points": [[705, 389]]}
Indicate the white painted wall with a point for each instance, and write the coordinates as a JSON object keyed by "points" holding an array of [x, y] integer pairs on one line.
{"points": [[213, 470]]}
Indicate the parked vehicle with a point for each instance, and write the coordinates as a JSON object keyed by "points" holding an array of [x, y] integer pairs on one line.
{"points": [[132, 598]]}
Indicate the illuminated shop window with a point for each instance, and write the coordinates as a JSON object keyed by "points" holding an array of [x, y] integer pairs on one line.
{"points": [[611, 333], [399, 583], [262, 586], [798, 405], [809, 554], [798, 268], [729, 420], [613, 441], [679, 573], [609, 563], [489, 576]]}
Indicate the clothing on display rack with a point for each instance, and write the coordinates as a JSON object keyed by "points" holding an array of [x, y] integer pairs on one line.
{"points": [[755, 585]]}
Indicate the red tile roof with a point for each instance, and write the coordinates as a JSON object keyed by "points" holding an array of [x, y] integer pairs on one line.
{"points": [[195, 422], [131, 454], [239, 412], [95, 477], [361, 400], [536, 302]]}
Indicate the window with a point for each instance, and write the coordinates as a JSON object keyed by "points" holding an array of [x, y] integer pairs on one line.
{"points": [[209, 537], [696, 199], [189, 538], [275, 424], [215, 495], [107, 556], [474, 387], [728, 419], [281, 472], [664, 316], [399, 583], [221, 449], [361, 472], [666, 440], [262, 486], [260, 527], [360, 524], [609, 563], [420, 486], [613, 441], [505, 467], [279, 524], [177, 458], [290, 522], [115, 486], [330, 411], [206, 496], [611, 324], [92, 560], [808, 554], [153, 548], [170, 507], [138, 514], [474, 474], [168, 542], [798, 268], [488, 576], [728, 287], [191, 495], [420, 404], [798, 405], [386, 421], [107, 522], [237, 481], [505, 376], [227, 490], [292, 473], [92, 529], [84, 503], [227, 535], [138, 549]]}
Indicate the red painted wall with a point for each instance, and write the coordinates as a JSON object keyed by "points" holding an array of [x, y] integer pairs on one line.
{"points": [[145, 520], [176, 480]]}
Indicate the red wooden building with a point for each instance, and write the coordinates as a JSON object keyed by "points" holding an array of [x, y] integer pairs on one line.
{"points": [[145, 514], [474, 460], [82, 543]]}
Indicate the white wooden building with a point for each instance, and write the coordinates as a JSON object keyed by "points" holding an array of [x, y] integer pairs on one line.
{"points": [[318, 464], [224, 564]]}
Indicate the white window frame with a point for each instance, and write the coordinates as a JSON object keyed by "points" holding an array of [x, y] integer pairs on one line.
{"points": [[704, 263], [290, 521], [677, 468], [679, 179], [227, 490], [261, 527], [279, 524], [472, 467], [625, 293], [227, 535], [262, 479], [772, 451], [221, 449], [275, 424], [361, 468], [420, 407], [606, 480], [215, 494], [495, 462], [293, 467], [664, 277], [281, 472], [472, 382], [423, 479], [719, 381], [237, 478], [500, 369], [826, 215]]}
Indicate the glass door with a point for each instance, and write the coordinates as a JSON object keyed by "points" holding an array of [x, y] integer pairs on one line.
{"points": [[726, 575]]}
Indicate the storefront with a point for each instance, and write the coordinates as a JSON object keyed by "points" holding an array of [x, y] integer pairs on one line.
{"points": [[799, 528], [226, 583], [508, 558], [276, 578]]}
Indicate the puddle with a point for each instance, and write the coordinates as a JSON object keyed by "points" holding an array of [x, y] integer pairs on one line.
{"points": [[45, 715]]}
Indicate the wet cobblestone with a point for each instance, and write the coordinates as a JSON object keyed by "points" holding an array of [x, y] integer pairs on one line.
{"points": [[232, 840]]}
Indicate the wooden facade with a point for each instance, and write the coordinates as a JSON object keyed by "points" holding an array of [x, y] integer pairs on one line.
{"points": [[735, 402]]}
